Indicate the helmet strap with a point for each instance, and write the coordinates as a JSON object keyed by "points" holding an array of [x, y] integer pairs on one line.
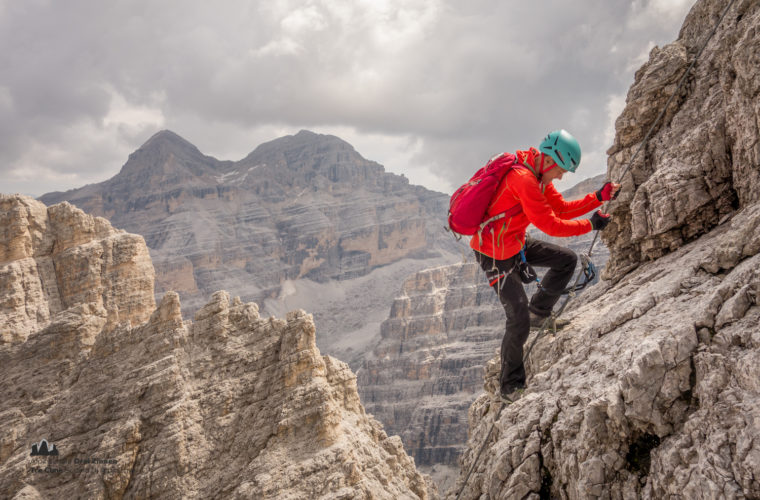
{"points": [[541, 170], [541, 173]]}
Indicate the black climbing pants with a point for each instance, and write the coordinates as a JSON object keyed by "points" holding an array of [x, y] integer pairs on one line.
{"points": [[510, 289]]}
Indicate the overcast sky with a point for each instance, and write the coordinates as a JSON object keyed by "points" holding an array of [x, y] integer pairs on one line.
{"points": [[428, 88]]}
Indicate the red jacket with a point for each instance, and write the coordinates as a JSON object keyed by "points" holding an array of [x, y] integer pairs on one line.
{"points": [[542, 205]]}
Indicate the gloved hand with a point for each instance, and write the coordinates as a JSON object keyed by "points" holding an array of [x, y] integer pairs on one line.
{"points": [[599, 220], [608, 192]]}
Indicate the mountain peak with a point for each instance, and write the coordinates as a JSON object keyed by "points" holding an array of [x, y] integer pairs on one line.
{"points": [[303, 139], [164, 156], [168, 139], [307, 133]]}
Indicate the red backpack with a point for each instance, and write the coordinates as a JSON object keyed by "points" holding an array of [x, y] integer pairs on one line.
{"points": [[469, 203]]}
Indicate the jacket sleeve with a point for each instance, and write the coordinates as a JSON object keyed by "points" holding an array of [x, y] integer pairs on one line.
{"points": [[538, 210], [570, 209]]}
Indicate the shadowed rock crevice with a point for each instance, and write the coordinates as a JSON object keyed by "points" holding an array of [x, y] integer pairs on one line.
{"points": [[638, 458], [545, 492]]}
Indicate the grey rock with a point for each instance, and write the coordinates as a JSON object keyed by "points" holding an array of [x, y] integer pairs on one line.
{"points": [[701, 164], [304, 206], [141, 403], [651, 392]]}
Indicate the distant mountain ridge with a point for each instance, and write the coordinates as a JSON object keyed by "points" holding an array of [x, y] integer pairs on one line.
{"points": [[302, 207], [285, 180]]}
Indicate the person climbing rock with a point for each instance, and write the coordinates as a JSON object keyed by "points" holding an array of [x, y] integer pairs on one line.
{"points": [[498, 252]]}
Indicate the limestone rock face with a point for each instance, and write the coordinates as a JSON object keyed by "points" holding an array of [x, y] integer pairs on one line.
{"points": [[53, 259], [427, 369], [304, 206], [653, 389], [230, 405], [651, 392], [703, 161]]}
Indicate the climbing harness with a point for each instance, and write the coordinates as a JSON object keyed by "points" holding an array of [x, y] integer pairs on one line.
{"points": [[588, 266], [528, 275]]}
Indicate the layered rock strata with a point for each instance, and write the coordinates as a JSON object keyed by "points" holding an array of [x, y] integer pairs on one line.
{"points": [[703, 161], [55, 259], [303, 222], [139, 403], [652, 391], [306, 206], [427, 369]]}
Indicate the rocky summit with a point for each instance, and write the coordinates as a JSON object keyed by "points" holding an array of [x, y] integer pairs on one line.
{"points": [[106, 395], [57, 259], [295, 215], [653, 390]]}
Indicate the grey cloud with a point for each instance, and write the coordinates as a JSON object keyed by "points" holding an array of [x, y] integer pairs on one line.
{"points": [[465, 78]]}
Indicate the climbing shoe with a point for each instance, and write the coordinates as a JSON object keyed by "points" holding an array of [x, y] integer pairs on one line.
{"points": [[512, 394], [554, 324]]}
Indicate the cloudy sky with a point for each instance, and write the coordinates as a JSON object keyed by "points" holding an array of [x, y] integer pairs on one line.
{"points": [[428, 88]]}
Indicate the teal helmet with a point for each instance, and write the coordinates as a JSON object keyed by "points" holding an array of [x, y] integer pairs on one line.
{"points": [[563, 148]]}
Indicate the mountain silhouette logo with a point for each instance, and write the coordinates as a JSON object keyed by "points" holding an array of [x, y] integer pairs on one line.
{"points": [[43, 449]]}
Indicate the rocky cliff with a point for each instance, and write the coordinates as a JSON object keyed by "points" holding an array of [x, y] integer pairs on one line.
{"points": [[298, 212], [428, 367], [107, 396], [652, 391], [59, 258], [701, 165]]}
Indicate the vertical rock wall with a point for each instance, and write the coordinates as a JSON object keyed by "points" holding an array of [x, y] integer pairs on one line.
{"points": [[52, 259], [428, 367], [703, 161]]}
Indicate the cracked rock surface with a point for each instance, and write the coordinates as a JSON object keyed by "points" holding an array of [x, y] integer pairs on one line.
{"points": [[139, 403], [653, 390], [702, 162]]}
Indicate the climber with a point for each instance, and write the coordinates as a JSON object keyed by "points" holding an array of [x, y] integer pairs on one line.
{"points": [[499, 252]]}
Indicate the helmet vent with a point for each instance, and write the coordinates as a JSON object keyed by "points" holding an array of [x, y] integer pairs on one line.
{"points": [[559, 155]]}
